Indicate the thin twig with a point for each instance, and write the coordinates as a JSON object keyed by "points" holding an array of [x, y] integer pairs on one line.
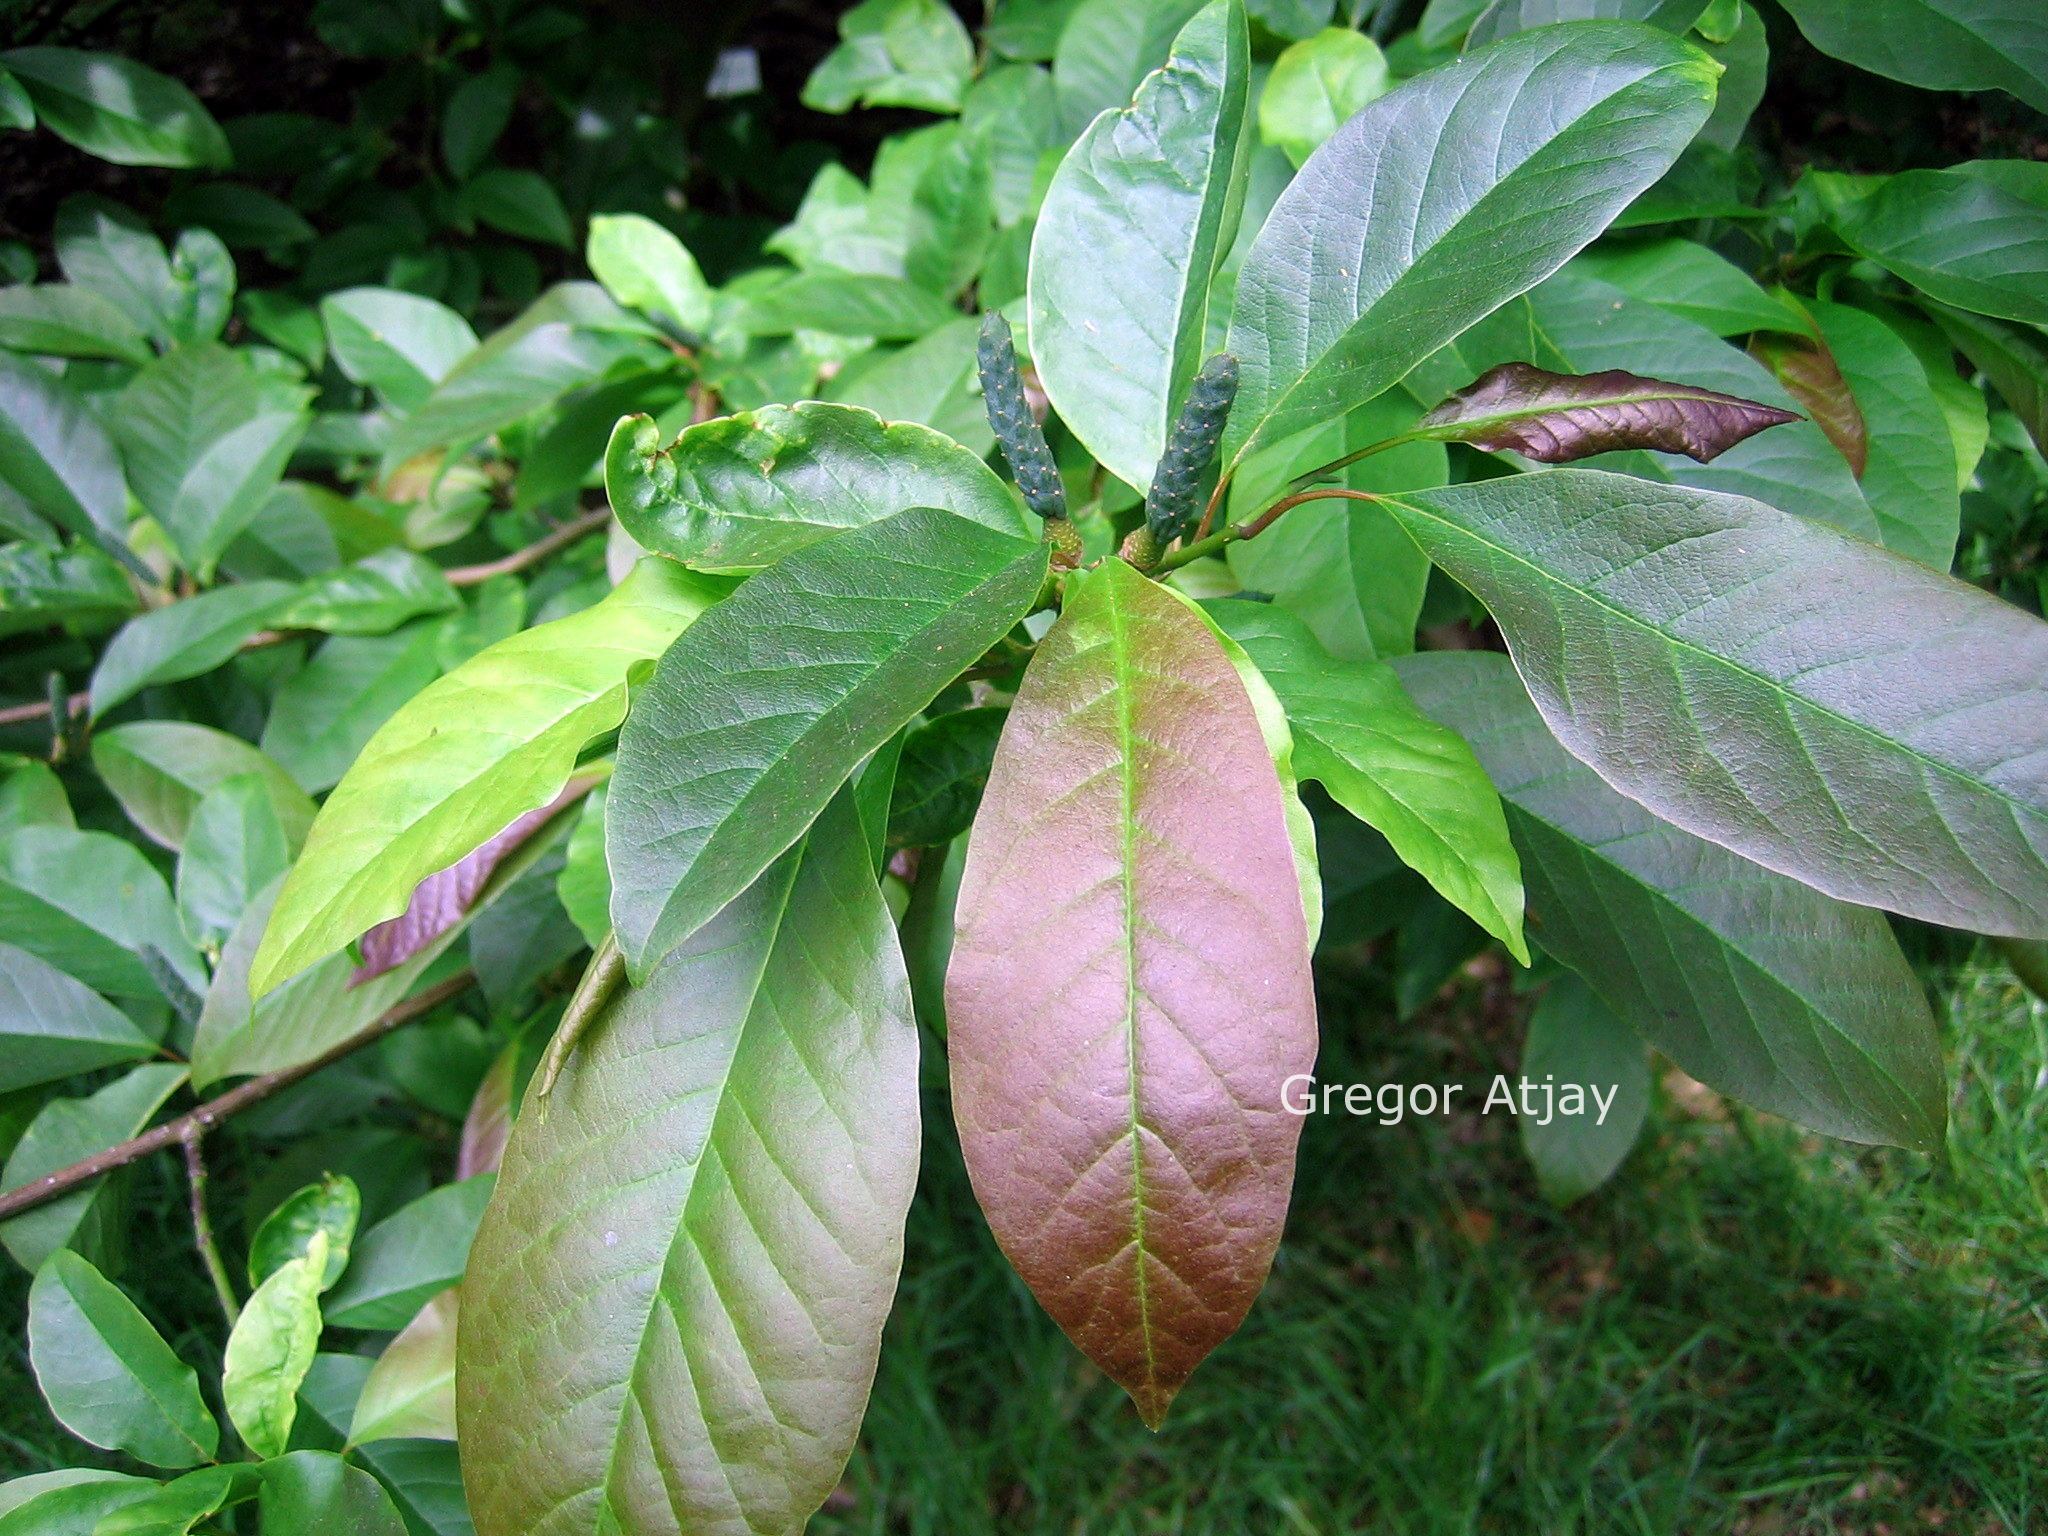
{"points": [[1251, 530], [458, 576], [202, 1227], [197, 1122]]}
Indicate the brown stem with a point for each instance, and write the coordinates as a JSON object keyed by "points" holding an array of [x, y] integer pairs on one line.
{"points": [[202, 1228], [197, 1122], [1209, 512], [458, 576], [1251, 530]]}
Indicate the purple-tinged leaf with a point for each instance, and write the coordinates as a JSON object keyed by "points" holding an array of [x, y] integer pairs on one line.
{"points": [[1810, 375], [1555, 418], [439, 901], [489, 1122]]}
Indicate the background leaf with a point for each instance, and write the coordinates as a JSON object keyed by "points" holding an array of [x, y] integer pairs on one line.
{"points": [[1753, 983], [51, 1026], [183, 639], [400, 344], [91, 904], [1960, 238], [318, 1491], [1837, 712], [57, 456], [1129, 985], [696, 1346], [1137, 217], [271, 1347], [1316, 86], [1947, 45], [64, 320], [646, 268], [895, 609], [410, 1392], [1573, 1037], [1397, 233], [117, 109], [161, 769], [107, 1374], [1106, 48], [327, 712]]}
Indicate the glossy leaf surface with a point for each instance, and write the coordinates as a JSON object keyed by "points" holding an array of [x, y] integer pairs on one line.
{"points": [[737, 743], [161, 769], [65, 320], [1960, 238], [410, 1257], [1136, 219], [1358, 734], [56, 455], [1443, 199], [1316, 86], [410, 1392], [117, 109], [400, 344], [331, 1207], [1555, 418], [746, 490], [1504, 18], [271, 1347], [185, 639], [91, 905], [1826, 708], [494, 739], [107, 1374], [1754, 983], [1129, 986], [317, 1491], [675, 1304]]}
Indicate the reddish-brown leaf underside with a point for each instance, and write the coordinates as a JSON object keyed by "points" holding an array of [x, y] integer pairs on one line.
{"points": [[1130, 987], [1811, 376], [1555, 418]]}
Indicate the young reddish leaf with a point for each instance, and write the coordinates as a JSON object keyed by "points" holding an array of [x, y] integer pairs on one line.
{"points": [[1130, 987], [1557, 417], [439, 901], [1807, 370]]}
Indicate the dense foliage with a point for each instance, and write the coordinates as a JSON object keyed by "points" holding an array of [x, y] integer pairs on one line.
{"points": [[660, 690]]}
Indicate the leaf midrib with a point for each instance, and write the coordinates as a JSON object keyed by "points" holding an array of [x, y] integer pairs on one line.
{"points": [[1780, 691]]}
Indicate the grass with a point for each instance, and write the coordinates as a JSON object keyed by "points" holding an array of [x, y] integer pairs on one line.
{"points": [[1750, 1330]]}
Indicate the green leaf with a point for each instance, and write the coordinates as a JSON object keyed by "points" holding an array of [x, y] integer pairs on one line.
{"points": [[409, 1257], [64, 320], [332, 1206], [1294, 19], [235, 848], [2013, 357], [1842, 714], [1117, 1096], [116, 109], [16, 110], [1160, 183], [477, 115], [399, 344], [894, 611], [63, 1132], [108, 249], [585, 884], [494, 739], [270, 1348], [184, 639], [1909, 473], [681, 1333], [161, 769], [1317, 85], [206, 436], [895, 53], [940, 777], [646, 268], [1576, 1141], [1960, 238], [745, 491], [310, 1491], [70, 1499], [1358, 734], [31, 795], [77, 587], [931, 383], [1013, 112], [410, 1392], [1345, 567], [372, 597], [1504, 18], [56, 456], [91, 904], [1754, 983], [1946, 45], [1027, 29], [1691, 281], [241, 215], [176, 1507], [523, 204], [1448, 196], [52, 1026], [327, 712], [850, 304], [1107, 48], [107, 1374], [1744, 55], [562, 460]]}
